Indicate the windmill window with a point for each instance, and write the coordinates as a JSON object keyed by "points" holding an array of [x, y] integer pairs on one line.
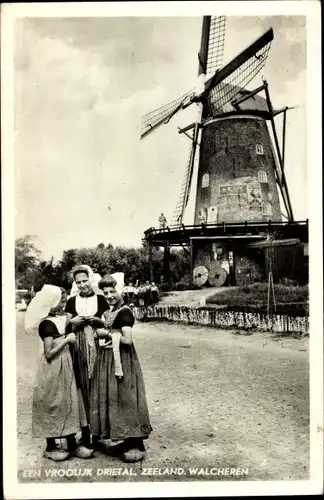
{"points": [[262, 176], [267, 208], [259, 149], [205, 181]]}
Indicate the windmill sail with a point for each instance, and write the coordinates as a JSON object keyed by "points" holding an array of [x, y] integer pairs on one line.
{"points": [[224, 85], [228, 89], [212, 44], [216, 43], [186, 183], [161, 115], [210, 59]]}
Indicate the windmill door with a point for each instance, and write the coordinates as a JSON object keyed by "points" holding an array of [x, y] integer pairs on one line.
{"points": [[212, 215]]}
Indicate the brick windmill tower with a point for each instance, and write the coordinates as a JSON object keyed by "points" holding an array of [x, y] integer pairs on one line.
{"points": [[241, 173]]}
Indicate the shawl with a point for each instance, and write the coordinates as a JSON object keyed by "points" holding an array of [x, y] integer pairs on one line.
{"points": [[115, 337], [87, 306]]}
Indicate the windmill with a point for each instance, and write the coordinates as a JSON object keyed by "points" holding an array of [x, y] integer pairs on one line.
{"points": [[240, 167]]}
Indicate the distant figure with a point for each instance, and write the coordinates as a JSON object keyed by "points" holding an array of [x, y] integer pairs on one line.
{"points": [[147, 294], [135, 291], [125, 295], [141, 295], [154, 293], [162, 221], [130, 293], [201, 217]]}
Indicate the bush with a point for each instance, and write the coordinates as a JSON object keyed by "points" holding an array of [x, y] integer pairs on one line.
{"points": [[185, 284], [166, 287], [288, 282]]}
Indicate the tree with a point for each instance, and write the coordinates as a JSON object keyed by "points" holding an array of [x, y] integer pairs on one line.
{"points": [[27, 257], [50, 274], [134, 262], [68, 261]]}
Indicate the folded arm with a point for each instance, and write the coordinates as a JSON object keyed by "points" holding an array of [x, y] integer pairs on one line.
{"points": [[50, 351]]}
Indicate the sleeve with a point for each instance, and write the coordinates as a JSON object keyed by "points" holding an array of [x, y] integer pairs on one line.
{"points": [[47, 329], [70, 306], [124, 318], [102, 305]]}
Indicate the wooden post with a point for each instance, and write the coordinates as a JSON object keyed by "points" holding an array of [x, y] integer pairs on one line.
{"points": [[282, 178], [166, 262], [284, 137], [150, 262], [191, 258], [266, 262], [271, 307], [231, 262], [232, 271]]}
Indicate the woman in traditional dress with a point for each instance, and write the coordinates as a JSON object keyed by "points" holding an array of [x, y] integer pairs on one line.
{"points": [[141, 295], [94, 279], [136, 302], [154, 293], [84, 311], [55, 412], [131, 294], [118, 399], [147, 293]]}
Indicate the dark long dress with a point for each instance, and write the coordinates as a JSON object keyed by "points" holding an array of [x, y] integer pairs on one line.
{"points": [[79, 350], [118, 406]]}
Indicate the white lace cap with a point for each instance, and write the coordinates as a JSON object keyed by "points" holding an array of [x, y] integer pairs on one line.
{"points": [[47, 298]]}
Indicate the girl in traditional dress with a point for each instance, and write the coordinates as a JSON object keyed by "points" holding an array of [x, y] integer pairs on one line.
{"points": [[118, 400], [55, 412], [84, 311], [141, 295], [94, 279]]}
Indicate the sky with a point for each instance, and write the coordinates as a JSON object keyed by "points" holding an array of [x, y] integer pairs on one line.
{"points": [[82, 174]]}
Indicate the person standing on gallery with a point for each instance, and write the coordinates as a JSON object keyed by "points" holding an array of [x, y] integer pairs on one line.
{"points": [[84, 312], [162, 221], [118, 404], [55, 411]]}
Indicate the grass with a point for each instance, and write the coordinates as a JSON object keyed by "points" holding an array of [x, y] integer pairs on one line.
{"points": [[289, 299]]}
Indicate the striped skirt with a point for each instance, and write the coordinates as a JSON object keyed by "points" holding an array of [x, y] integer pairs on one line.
{"points": [[80, 357]]}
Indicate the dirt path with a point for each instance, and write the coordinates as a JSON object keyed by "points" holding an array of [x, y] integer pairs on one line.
{"points": [[216, 399], [189, 297]]}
